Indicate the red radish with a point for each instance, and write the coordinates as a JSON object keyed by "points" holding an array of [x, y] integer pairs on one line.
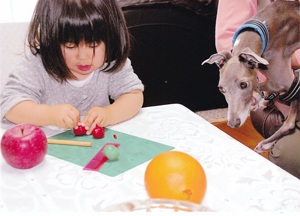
{"points": [[24, 146], [80, 130], [98, 132]]}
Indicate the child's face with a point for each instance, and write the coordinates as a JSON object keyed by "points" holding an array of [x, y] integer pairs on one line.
{"points": [[82, 60]]}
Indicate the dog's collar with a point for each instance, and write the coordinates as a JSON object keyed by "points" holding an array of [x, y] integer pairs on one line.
{"points": [[270, 97], [294, 89], [260, 27], [287, 96]]}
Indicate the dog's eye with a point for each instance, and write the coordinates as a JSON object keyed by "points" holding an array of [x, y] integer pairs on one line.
{"points": [[243, 85], [222, 90]]}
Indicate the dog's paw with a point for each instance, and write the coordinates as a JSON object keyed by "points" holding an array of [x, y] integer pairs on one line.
{"points": [[254, 107], [254, 104], [264, 146], [263, 104], [258, 149]]}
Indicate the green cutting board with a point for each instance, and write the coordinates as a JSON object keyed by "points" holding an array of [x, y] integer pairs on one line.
{"points": [[133, 150]]}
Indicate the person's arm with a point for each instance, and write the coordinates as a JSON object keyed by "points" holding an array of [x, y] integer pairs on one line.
{"points": [[230, 16], [296, 59], [62, 115], [125, 107]]}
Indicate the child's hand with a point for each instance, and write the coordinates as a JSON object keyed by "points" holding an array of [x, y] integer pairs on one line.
{"points": [[123, 108], [96, 115], [64, 116]]}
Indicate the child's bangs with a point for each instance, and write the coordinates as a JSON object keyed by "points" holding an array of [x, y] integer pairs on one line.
{"points": [[85, 26]]}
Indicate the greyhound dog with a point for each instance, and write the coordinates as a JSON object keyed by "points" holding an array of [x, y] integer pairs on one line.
{"points": [[264, 45]]}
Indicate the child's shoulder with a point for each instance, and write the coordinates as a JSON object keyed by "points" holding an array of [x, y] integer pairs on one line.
{"points": [[126, 66], [29, 64], [27, 58]]}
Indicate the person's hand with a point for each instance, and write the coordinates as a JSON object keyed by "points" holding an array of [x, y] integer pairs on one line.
{"points": [[123, 108], [96, 115], [64, 116]]}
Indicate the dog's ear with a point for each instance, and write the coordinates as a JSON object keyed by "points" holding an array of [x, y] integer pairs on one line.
{"points": [[219, 58], [251, 59]]}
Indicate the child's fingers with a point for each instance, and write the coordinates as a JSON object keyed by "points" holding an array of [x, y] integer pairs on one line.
{"points": [[71, 119], [74, 118], [90, 117], [96, 115], [92, 124], [64, 115], [65, 123], [69, 123]]}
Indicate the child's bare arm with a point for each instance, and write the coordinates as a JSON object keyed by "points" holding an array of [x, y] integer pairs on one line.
{"points": [[124, 108], [62, 115]]}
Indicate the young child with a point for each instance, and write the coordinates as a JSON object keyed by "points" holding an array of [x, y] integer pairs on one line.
{"points": [[78, 58]]}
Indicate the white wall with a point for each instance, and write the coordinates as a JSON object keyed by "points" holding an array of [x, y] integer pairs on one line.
{"points": [[16, 10], [14, 18], [12, 46]]}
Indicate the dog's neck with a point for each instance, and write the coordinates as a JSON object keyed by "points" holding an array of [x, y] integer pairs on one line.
{"points": [[253, 40], [257, 26], [249, 39]]}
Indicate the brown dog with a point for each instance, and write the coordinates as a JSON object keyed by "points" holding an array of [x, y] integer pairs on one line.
{"points": [[264, 44]]}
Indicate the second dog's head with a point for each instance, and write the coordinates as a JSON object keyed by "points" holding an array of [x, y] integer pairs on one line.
{"points": [[238, 80]]}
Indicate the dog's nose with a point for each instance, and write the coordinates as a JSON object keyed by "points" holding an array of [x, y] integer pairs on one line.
{"points": [[238, 124], [234, 123]]}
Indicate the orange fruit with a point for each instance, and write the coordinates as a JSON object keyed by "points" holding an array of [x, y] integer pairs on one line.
{"points": [[175, 175]]}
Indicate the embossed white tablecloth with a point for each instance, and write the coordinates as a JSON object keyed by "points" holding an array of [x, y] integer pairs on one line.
{"points": [[238, 179]]}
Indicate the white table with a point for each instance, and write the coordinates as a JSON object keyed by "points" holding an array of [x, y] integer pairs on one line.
{"points": [[238, 179]]}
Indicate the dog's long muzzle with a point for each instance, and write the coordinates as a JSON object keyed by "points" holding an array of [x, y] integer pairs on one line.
{"points": [[236, 117], [234, 123]]}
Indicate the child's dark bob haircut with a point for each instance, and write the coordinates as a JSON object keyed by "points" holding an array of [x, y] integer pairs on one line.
{"points": [[56, 22]]}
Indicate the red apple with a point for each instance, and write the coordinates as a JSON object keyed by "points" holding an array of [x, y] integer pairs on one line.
{"points": [[24, 146], [98, 132]]}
